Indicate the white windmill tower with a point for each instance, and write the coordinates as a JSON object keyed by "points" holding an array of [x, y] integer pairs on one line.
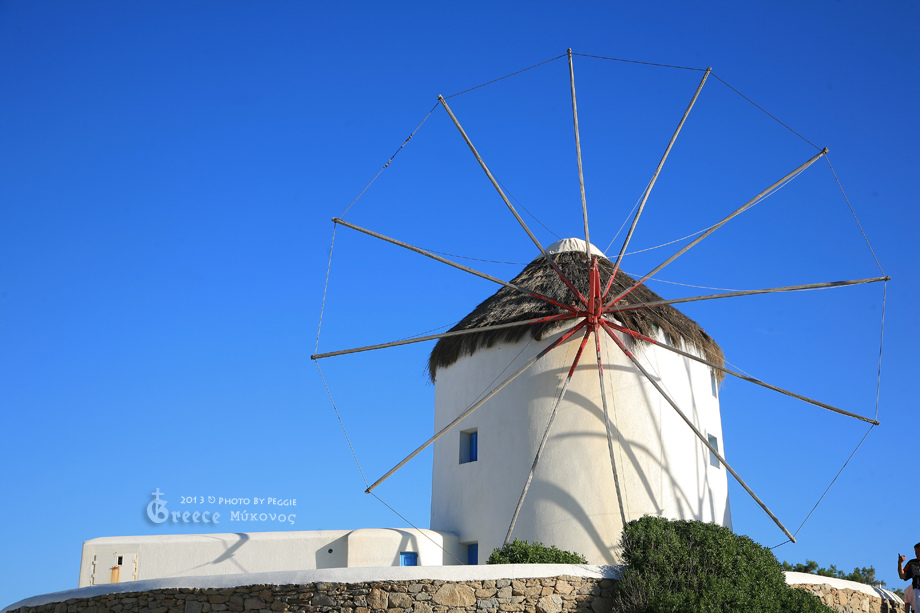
{"points": [[556, 410], [575, 399]]}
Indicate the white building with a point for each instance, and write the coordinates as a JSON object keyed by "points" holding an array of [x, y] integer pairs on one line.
{"points": [[135, 558]]}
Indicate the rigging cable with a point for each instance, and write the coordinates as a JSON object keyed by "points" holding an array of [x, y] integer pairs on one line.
{"points": [[846, 199], [520, 204], [426, 332], [405, 142], [773, 117], [829, 486], [721, 289], [878, 382], [341, 423], [616, 59], [508, 75], [466, 257], [628, 215], [322, 307], [859, 225]]}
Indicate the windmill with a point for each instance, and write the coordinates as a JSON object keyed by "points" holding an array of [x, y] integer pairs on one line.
{"points": [[589, 324]]}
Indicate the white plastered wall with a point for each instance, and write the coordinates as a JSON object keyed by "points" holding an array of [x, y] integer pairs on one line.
{"points": [[255, 552], [662, 467]]}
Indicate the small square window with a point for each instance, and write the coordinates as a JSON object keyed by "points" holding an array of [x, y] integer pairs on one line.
{"points": [[713, 460], [472, 554], [408, 558], [469, 446]]}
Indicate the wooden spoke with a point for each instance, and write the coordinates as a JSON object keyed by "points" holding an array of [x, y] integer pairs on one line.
{"points": [[455, 265], [581, 174], [750, 292], [431, 337]]}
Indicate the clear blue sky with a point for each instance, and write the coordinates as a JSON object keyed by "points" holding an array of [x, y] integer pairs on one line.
{"points": [[170, 170]]}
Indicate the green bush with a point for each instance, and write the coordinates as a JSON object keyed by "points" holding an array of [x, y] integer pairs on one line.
{"points": [[692, 567], [860, 575], [522, 552]]}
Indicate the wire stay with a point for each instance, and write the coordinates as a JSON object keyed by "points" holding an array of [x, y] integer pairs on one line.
{"points": [[389, 161], [558, 57]]}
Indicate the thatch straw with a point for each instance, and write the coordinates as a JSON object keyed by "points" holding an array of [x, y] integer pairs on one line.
{"points": [[508, 305]]}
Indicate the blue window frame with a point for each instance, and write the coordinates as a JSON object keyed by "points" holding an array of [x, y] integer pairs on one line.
{"points": [[713, 460], [469, 446], [408, 558], [472, 554]]}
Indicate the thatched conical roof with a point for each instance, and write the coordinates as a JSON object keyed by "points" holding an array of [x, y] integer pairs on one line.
{"points": [[508, 305]]}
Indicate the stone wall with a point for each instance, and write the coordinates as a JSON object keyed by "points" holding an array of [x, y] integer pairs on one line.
{"points": [[851, 601], [553, 595], [564, 594]]}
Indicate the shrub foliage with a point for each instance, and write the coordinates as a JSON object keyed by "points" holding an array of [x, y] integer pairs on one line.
{"points": [[860, 575], [690, 567], [522, 552]]}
